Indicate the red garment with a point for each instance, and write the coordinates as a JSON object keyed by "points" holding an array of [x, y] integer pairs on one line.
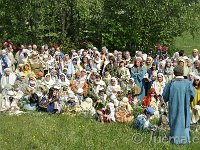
{"points": [[147, 99], [130, 99]]}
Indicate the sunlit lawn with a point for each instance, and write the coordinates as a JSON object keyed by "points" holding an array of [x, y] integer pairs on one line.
{"points": [[188, 43], [45, 131]]}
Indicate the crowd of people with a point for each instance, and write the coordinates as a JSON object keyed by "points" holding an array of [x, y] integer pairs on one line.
{"points": [[97, 82]]}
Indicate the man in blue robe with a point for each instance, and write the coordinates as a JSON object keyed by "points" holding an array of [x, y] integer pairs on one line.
{"points": [[179, 93]]}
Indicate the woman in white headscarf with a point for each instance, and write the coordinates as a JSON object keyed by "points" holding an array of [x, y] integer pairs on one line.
{"points": [[63, 79], [113, 88], [159, 84], [87, 108], [8, 79], [48, 81]]}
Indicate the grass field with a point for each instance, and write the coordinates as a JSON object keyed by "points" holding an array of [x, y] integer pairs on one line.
{"points": [[187, 42], [56, 132]]}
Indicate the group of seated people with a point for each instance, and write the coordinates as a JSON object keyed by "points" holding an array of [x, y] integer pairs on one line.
{"points": [[97, 83]]}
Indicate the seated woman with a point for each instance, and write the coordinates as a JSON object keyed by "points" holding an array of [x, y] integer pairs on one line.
{"points": [[106, 115], [113, 87], [78, 83], [195, 104], [27, 70], [63, 79], [159, 83], [133, 91], [124, 111], [48, 81], [53, 100], [9, 101], [87, 107]]}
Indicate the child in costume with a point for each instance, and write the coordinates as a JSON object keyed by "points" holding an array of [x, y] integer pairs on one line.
{"points": [[124, 111], [152, 100], [106, 115], [142, 121]]}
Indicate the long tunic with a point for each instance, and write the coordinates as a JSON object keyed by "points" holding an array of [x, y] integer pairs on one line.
{"points": [[138, 76], [179, 93]]}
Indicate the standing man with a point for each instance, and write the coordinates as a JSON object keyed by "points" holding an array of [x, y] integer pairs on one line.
{"points": [[179, 93], [195, 55]]}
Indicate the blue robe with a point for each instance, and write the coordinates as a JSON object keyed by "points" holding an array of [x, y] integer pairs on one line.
{"points": [[179, 93], [138, 77]]}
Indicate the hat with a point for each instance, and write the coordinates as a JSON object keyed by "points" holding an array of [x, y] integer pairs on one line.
{"points": [[149, 110], [7, 69], [192, 73], [97, 61], [94, 48], [101, 89], [181, 59], [94, 70], [88, 100], [113, 97], [65, 69], [113, 79], [32, 82], [125, 100], [83, 70], [34, 53], [45, 56], [169, 60], [104, 47], [139, 59], [123, 61], [97, 53], [195, 50], [65, 83], [73, 50], [155, 63], [87, 104], [131, 79], [21, 65], [62, 74], [197, 77], [119, 53], [80, 91], [178, 71], [20, 74], [185, 57], [57, 87], [57, 53], [160, 74], [11, 93], [74, 54]]}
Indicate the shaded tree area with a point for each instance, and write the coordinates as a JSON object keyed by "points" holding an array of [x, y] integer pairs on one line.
{"points": [[131, 25]]}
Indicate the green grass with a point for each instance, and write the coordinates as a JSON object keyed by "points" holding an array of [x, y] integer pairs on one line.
{"points": [[187, 42], [57, 132]]}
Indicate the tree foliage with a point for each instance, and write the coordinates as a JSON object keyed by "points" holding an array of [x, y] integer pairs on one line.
{"points": [[115, 23]]}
